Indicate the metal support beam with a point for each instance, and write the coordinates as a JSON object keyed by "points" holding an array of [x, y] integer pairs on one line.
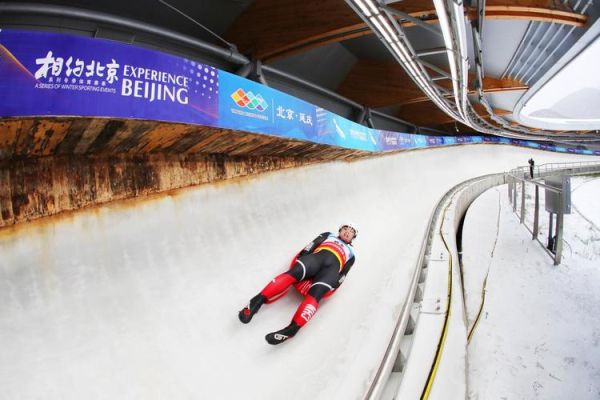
{"points": [[195, 22], [432, 51], [514, 203], [559, 228], [436, 69], [410, 18], [245, 70], [523, 202], [550, 231], [536, 213], [310, 85]]}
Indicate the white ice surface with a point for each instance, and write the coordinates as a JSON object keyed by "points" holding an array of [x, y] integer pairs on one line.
{"points": [[139, 300], [539, 333]]}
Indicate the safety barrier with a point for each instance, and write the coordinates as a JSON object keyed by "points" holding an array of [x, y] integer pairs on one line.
{"points": [[523, 176], [426, 354], [415, 366]]}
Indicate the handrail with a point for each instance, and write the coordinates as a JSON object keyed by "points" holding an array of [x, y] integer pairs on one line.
{"points": [[469, 190], [378, 385], [549, 167], [522, 175], [393, 351]]}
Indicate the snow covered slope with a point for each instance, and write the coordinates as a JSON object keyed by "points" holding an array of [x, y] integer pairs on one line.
{"points": [[139, 299], [539, 332]]}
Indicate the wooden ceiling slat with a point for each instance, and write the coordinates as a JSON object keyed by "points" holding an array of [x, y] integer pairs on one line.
{"points": [[377, 83], [424, 114], [495, 85], [480, 109], [277, 28]]}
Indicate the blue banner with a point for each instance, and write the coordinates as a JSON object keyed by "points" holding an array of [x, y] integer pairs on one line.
{"points": [[250, 106], [51, 74], [55, 74]]}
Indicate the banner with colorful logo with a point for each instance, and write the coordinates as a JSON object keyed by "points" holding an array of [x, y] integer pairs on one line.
{"points": [[52, 74], [250, 106]]}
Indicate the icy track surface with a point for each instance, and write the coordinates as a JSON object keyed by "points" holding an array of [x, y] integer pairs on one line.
{"points": [[139, 300]]}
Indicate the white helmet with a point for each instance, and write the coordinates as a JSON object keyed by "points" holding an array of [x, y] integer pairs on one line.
{"points": [[351, 226]]}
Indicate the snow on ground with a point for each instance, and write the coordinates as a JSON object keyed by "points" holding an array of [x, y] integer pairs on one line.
{"points": [[587, 198], [139, 299], [538, 336]]}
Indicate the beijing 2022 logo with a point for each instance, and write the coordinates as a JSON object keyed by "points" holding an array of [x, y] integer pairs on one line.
{"points": [[249, 100]]}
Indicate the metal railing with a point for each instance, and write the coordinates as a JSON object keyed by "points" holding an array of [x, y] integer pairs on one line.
{"points": [[517, 180], [390, 374], [551, 168]]}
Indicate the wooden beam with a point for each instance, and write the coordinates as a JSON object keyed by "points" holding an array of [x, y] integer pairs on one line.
{"points": [[271, 29], [481, 110], [533, 14], [451, 128], [424, 114], [495, 85], [377, 83]]}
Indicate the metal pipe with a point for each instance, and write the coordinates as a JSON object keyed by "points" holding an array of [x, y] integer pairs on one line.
{"points": [[244, 70], [513, 59], [571, 29], [258, 70], [436, 69], [311, 86], [530, 53], [542, 51], [99, 17], [429, 52], [213, 34], [521, 62], [408, 17], [360, 117], [392, 118]]}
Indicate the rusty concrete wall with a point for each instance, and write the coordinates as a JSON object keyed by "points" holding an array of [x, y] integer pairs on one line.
{"points": [[48, 136], [35, 187], [54, 164]]}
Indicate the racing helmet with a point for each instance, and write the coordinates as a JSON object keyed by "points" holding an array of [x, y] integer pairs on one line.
{"points": [[351, 226]]}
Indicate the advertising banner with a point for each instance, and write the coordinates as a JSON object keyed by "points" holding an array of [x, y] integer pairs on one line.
{"points": [[53, 74], [250, 106]]}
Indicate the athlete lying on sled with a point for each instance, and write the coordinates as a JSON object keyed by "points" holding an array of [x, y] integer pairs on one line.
{"points": [[316, 272]]}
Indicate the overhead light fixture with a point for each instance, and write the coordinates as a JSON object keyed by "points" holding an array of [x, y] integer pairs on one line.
{"points": [[363, 7]]}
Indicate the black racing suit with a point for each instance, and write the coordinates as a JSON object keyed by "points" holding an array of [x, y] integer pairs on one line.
{"points": [[321, 266]]}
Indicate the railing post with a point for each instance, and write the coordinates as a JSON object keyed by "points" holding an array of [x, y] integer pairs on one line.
{"points": [[559, 229], [536, 213], [515, 197], [550, 232], [523, 202]]}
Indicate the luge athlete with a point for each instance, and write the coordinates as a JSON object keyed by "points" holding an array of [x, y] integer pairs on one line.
{"points": [[317, 271]]}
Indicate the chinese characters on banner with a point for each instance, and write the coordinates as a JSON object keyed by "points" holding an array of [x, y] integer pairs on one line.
{"points": [[55, 74]]}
